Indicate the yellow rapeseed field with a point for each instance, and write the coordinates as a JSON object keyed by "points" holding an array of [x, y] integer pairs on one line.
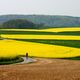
{"points": [[12, 48], [46, 30], [60, 37], [62, 29]]}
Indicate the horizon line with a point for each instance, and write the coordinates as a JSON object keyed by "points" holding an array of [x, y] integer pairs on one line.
{"points": [[40, 14]]}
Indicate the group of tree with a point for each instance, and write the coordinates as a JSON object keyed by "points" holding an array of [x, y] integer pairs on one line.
{"points": [[20, 24]]}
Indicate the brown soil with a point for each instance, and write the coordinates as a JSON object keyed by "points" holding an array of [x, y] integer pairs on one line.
{"points": [[43, 69]]}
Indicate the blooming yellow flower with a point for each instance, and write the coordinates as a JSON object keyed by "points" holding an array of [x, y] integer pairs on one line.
{"points": [[60, 37], [11, 48]]}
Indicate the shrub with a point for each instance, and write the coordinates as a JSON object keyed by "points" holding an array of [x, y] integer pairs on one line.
{"points": [[4, 61]]}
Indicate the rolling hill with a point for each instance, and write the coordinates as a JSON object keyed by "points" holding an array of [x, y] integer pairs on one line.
{"points": [[19, 24], [45, 21]]}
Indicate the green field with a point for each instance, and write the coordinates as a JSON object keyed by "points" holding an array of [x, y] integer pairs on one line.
{"points": [[68, 43], [77, 33], [75, 44]]}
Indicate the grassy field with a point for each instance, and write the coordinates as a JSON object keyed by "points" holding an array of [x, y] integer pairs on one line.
{"points": [[50, 43], [74, 33]]}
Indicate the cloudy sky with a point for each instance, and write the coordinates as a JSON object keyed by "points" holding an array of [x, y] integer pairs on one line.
{"points": [[46, 7]]}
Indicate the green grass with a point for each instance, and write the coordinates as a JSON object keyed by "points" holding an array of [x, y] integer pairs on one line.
{"points": [[26, 32], [68, 43], [72, 58], [5, 61], [77, 33]]}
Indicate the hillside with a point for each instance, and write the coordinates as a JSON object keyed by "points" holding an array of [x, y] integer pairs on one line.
{"points": [[19, 24], [45, 20]]}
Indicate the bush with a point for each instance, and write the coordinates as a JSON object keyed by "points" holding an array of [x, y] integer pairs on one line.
{"points": [[4, 61]]}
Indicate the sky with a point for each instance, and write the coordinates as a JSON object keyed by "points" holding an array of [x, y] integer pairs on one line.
{"points": [[43, 7]]}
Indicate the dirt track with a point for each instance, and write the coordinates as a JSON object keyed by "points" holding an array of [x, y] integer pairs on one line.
{"points": [[43, 69]]}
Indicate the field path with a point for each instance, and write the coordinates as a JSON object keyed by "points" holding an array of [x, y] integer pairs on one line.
{"points": [[29, 60], [43, 69], [38, 61]]}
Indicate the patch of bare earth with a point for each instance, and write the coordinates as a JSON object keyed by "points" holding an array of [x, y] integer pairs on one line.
{"points": [[43, 69]]}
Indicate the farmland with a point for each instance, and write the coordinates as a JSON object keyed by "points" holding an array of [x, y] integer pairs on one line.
{"points": [[39, 32], [60, 37], [68, 43], [46, 30], [56, 51], [12, 48], [43, 69], [47, 41]]}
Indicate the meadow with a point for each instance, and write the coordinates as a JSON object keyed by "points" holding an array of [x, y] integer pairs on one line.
{"points": [[47, 43]]}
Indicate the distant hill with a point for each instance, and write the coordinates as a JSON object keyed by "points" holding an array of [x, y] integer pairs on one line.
{"points": [[46, 21], [19, 24]]}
